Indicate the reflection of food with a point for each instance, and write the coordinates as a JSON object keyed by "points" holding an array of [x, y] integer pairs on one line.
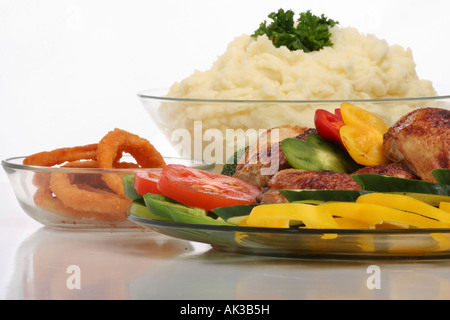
{"points": [[421, 140], [108, 263], [91, 194]]}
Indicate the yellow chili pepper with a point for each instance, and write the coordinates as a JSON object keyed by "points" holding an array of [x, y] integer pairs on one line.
{"points": [[281, 215], [374, 214], [405, 203], [362, 135]]}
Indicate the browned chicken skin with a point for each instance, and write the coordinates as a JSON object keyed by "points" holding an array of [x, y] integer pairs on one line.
{"points": [[420, 140], [265, 158], [392, 169], [305, 179]]}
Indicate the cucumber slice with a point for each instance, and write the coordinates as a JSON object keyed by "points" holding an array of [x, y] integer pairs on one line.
{"points": [[139, 209], [169, 209], [128, 186], [317, 154], [429, 192], [314, 196], [442, 175], [234, 214]]}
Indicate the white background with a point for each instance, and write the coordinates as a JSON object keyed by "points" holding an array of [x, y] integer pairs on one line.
{"points": [[70, 70]]}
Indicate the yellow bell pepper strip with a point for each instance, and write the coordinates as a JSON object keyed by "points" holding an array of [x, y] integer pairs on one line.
{"points": [[374, 214], [281, 215], [353, 115], [362, 135], [405, 203], [346, 223], [364, 144], [445, 206]]}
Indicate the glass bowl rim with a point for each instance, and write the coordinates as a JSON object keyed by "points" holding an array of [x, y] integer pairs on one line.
{"points": [[153, 95], [10, 163]]}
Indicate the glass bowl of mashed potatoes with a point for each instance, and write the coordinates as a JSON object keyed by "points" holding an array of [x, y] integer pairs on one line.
{"points": [[256, 86]]}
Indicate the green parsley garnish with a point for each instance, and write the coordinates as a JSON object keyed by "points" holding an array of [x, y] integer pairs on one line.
{"points": [[308, 33]]}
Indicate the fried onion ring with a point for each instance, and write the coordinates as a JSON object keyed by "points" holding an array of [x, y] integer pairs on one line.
{"points": [[113, 144], [45, 199], [88, 199], [94, 195], [62, 155]]}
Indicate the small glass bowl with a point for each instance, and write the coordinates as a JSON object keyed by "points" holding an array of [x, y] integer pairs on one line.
{"points": [[213, 129], [87, 207]]}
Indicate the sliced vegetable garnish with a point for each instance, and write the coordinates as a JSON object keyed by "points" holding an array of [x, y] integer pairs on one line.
{"points": [[364, 144], [328, 125], [353, 115], [362, 135], [405, 203], [169, 209], [317, 154], [234, 214], [283, 215], [128, 187], [445, 206], [442, 175], [374, 214], [321, 195], [146, 181], [203, 189], [428, 192], [139, 209], [380, 183]]}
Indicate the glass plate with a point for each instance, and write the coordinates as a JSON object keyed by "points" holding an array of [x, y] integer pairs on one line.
{"points": [[312, 243]]}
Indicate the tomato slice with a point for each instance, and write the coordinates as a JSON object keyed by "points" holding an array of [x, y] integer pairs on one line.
{"points": [[146, 181], [203, 189], [328, 125]]}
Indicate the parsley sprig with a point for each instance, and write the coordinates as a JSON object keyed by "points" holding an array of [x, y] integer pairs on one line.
{"points": [[308, 33]]}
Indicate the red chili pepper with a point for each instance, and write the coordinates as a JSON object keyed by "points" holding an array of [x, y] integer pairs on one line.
{"points": [[328, 125]]}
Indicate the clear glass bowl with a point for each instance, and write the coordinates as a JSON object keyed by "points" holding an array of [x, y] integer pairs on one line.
{"points": [[31, 188], [212, 129], [312, 243]]}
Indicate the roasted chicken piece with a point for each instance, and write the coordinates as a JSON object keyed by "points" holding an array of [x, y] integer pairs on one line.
{"points": [[308, 179], [420, 140], [265, 158], [390, 169], [305, 179]]}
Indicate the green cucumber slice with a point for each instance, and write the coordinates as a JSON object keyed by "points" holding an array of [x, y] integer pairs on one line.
{"points": [[139, 209], [442, 175], [128, 186], [169, 209], [317, 154], [310, 195], [234, 214], [429, 192]]}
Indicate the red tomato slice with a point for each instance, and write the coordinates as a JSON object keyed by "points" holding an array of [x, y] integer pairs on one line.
{"points": [[328, 125], [147, 181], [203, 189]]}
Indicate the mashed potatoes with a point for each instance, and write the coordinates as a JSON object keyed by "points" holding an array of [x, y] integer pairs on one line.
{"points": [[357, 66]]}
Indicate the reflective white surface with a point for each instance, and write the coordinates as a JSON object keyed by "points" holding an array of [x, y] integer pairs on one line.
{"points": [[36, 261]]}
